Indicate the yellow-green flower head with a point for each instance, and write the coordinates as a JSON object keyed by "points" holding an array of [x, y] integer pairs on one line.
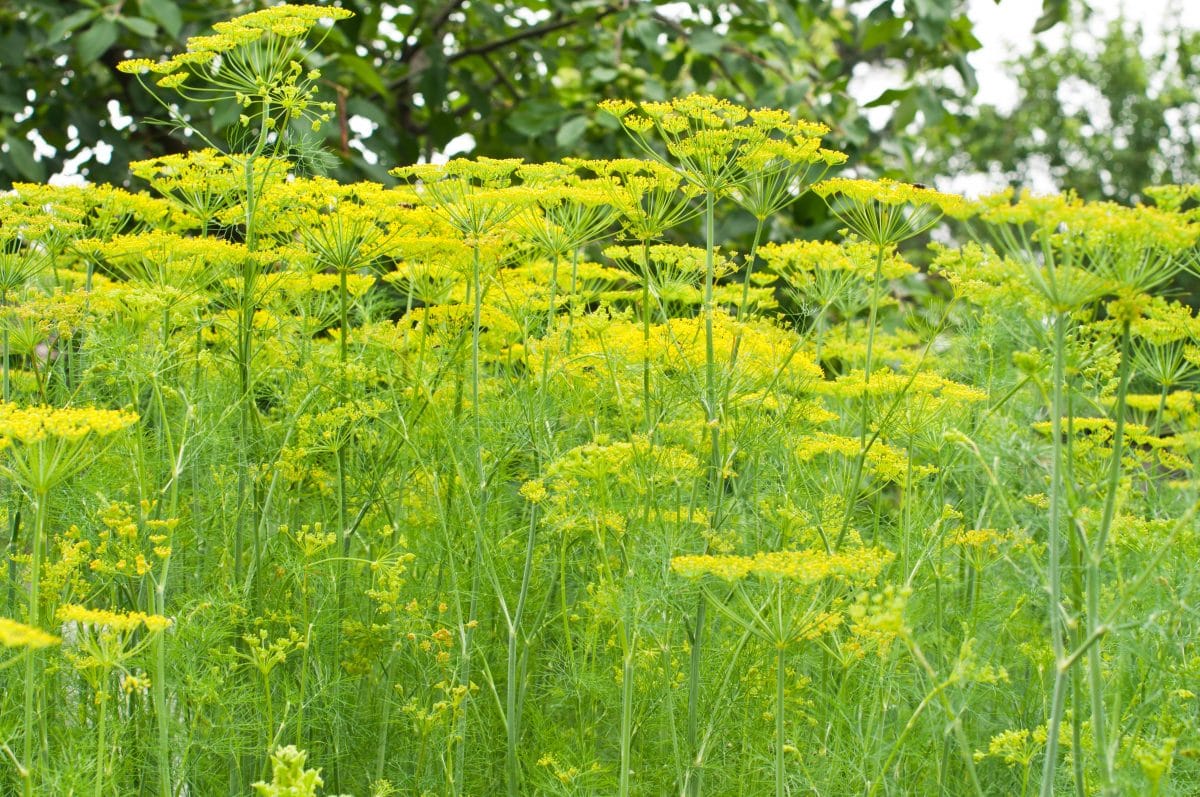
{"points": [[620, 170], [548, 175], [31, 425], [794, 259], [115, 621], [717, 145], [671, 263], [1164, 322], [1040, 211], [857, 565], [19, 635], [1172, 197], [490, 172], [891, 192], [886, 212]]}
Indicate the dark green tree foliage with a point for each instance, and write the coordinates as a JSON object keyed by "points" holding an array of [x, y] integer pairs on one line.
{"points": [[1129, 119], [516, 76]]}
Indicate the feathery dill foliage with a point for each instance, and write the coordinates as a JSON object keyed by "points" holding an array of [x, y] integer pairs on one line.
{"points": [[497, 481]]}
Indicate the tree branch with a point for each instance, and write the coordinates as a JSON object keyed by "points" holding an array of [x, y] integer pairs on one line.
{"points": [[529, 33]]}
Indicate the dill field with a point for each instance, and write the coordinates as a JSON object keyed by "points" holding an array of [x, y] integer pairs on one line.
{"points": [[526, 479]]}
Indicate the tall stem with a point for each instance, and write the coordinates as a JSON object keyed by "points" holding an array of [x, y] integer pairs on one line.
{"points": [[468, 633], [714, 489], [780, 688], [780, 693], [101, 753], [627, 693], [4, 351], [343, 316], [876, 278], [1054, 548], [513, 691], [646, 275], [160, 691], [758, 230], [1094, 560], [32, 657]]}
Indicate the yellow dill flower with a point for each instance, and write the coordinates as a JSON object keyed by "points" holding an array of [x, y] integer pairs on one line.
{"points": [[1072, 252], [476, 197], [114, 621], [27, 426], [670, 264], [633, 463], [795, 260], [886, 212], [534, 491], [720, 147], [345, 238], [49, 444], [1172, 197], [879, 618], [163, 258], [805, 567], [887, 463], [19, 635], [255, 60]]}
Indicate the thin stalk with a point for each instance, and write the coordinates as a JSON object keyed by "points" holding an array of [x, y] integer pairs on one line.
{"points": [[551, 317], [343, 316], [32, 657], [629, 643], [160, 691], [780, 695], [468, 634], [714, 487], [574, 296], [1094, 561], [4, 342], [512, 691], [101, 727], [758, 229], [270, 735], [1054, 548], [873, 313], [646, 334], [340, 589]]}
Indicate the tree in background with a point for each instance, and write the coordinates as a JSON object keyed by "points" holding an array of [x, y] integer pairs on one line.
{"points": [[515, 76], [1099, 115]]}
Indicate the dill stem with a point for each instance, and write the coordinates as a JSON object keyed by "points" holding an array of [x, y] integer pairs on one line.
{"points": [[33, 717], [1054, 549], [1094, 562]]}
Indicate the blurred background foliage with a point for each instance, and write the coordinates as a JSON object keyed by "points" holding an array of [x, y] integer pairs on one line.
{"points": [[412, 78]]}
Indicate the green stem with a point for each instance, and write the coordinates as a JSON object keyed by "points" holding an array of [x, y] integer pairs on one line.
{"points": [[4, 351], [343, 316], [758, 229], [780, 729], [714, 488], [646, 335], [160, 692], [270, 736], [101, 754], [627, 694], [1094, 561], [32, 716], [574, 296], [512, 690], [1054, 548], [873, 313]]}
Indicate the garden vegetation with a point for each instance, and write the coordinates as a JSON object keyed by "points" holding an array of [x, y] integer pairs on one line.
{"points": [[504, 481]]}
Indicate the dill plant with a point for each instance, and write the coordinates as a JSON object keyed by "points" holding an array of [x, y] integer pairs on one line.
{"points": [[411, 505]]}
